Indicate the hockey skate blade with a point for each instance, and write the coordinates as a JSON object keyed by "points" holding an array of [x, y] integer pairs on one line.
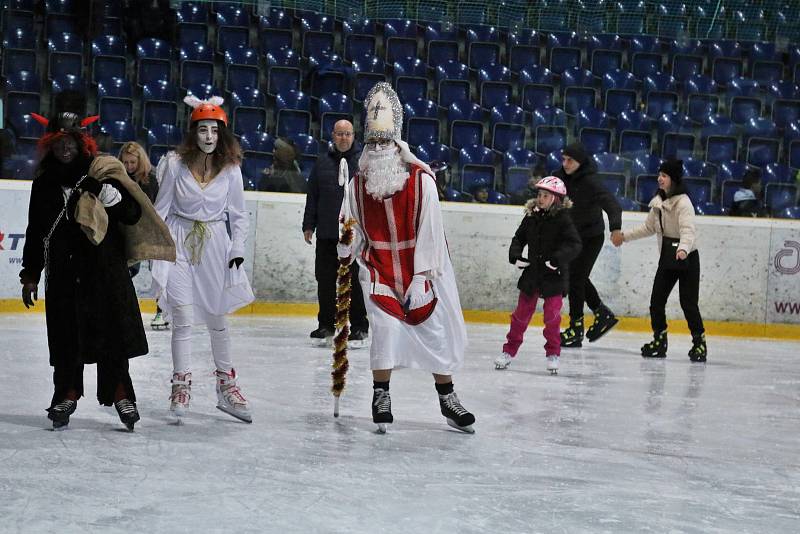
{"points": [[466, 429], [553, 371], [60, 427], [322, 342], [382, 428], [240, 417], [500, 366], [592, 339]]}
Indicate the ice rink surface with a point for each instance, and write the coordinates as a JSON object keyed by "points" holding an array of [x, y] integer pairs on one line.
{"points": [[614, 443]]}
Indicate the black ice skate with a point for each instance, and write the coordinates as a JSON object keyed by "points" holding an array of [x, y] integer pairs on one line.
{"points": [[59, 414], [322, 336], [357, 339], [572, 337], [656, 348], [457, 416], [698, 352], [381, 409], [159, 322], [128, 413], [604, 320]]}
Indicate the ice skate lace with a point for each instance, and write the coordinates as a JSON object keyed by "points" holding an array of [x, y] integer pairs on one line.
{"points": [[125, 407], [180, 394], [64, 406], [233, 395], [453, 404], [383, 402]]}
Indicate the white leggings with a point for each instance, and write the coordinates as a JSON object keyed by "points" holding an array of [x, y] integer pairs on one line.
{"points": [[182, 340]]}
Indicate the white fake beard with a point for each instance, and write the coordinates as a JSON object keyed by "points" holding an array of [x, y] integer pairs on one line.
{"points": [[386, 172]]}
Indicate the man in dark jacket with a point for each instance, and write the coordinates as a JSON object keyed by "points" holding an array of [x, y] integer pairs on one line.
{"points": [[323, 202], [590, 199]]}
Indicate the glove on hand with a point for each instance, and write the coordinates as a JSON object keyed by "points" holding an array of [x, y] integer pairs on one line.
{"points": [[91, 185], [522, 263], [344, 251], [30, 293], [415, 294], [236, 261]]}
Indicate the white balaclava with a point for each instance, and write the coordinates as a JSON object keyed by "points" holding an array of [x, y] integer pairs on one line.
{"points": [[207, 138]]}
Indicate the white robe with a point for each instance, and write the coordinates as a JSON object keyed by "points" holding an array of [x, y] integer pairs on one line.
{"points": [[210, 285], [437, 344]]}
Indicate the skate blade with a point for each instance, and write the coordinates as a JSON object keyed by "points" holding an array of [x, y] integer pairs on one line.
{"points": [[326, 342], [500, 366], [593, 338], [466, 429], [358, 344], [240, 416], [553, 371], [60, 427], [382, 428]]}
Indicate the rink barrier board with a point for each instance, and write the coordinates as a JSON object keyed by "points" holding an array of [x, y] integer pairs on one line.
{"points": [[750, 268], [626, 324]]}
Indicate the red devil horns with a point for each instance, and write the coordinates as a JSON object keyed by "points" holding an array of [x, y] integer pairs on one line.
{"points": [[41, 120], [89, 120]]}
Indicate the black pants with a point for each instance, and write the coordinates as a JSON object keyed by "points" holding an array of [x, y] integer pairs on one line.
{"points": [[581, 288], [68, 375], [689, 290], [325, 266]]}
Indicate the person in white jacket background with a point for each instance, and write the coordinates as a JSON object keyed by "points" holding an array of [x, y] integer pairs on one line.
{"points": [[201, 182], [671, 218]]}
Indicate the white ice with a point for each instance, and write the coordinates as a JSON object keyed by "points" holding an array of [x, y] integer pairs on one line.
{"points": [[614, 443]]}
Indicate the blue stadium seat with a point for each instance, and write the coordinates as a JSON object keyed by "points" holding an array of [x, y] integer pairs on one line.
{"points": [[475, 155], [579, 92], [241, 68], [194, 73], [277, 18], [159, 104], [778, 173], [153, 61], [167, 135], [495, 86], [785, 112], [410, 77], [794, 153], [702, 100], [309, 149], [725, 69], [553, 161], [318, 43], [645, 64], [676, 135], [17, 60], [260, 142], [615, 183], [698, 189], [659, 91], [398, 47], [594, 130], [115, 100], [121, 131], [422, 121], [762, 147], [433, 151], [56, 23], [232, 37], [778, 197], [564, 51], [194, 12], [646, 186], [474, 176], [293, 113], [508, 127], [333, 107], [23, 125], [356, 46], [192, 33], [465, 123], [249, 119], [633, 130], [358, 27], [609, 163], [274, 39], [708, 208], [283, 71], [476, 163], [22, 82], [645, 164], [788, 213], [536, 87], [453, 89], [70, 82], [516, 158], [231, 14], [619, 92], [699, 169], [766, 64], [550, 138], [368, 71], [731, 170], [108, 58]]}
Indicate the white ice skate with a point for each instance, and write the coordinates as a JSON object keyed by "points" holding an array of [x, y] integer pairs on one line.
{"points": [[180, 396], [503, 361], [158, 322], [229, 398], [552, 364]]}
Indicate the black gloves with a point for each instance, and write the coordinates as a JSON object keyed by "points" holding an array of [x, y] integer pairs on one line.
{"points": [[30, 293], [236, 261], [91, 185]]}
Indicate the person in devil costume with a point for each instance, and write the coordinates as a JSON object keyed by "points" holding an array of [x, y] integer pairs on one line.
{"points": [[92, 311]]}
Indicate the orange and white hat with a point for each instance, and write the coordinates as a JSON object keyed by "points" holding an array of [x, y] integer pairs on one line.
{"points": [[206, 110]]}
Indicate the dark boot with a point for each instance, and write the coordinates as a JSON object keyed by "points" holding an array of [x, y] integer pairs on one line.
{"points": [[59, 414], [457, 416], [656, 348], [604, 320], [381, 408], [572, 337], [698, 352]]}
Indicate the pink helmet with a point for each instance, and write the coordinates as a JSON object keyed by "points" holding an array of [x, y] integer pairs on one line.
{"points": [[552, 184]]}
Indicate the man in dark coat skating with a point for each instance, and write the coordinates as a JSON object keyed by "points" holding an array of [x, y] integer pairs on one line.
{"points": [[92, 311]]}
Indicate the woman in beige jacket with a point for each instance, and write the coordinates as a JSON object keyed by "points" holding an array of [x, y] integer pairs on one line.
{"points": [[671, 218]]}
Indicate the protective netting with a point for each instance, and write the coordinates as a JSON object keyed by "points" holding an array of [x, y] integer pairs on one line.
{"points": [[746, 20]]}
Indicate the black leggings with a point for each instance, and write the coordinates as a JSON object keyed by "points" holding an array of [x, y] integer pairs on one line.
{"points": [[689, 290], [326, 266], [581, 288]]}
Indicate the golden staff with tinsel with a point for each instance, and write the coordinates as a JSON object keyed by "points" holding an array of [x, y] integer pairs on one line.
{"points": [[344, 290]]}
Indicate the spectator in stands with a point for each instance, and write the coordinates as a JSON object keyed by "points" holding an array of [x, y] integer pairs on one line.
{"points": [[148, 18], [671, 218], [530, 191], [284, 175], [480, 193], [442, 171], [590, 199], [747, 200], [323, 203]]}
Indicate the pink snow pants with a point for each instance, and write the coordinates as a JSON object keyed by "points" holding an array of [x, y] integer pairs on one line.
{"points": [[521, 318]]}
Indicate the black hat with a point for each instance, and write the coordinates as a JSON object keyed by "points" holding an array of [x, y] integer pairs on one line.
{"points": [[672, 168], [577, 152]]}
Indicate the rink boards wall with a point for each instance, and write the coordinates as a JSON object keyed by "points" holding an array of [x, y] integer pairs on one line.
{"points": [[750, 268]]}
